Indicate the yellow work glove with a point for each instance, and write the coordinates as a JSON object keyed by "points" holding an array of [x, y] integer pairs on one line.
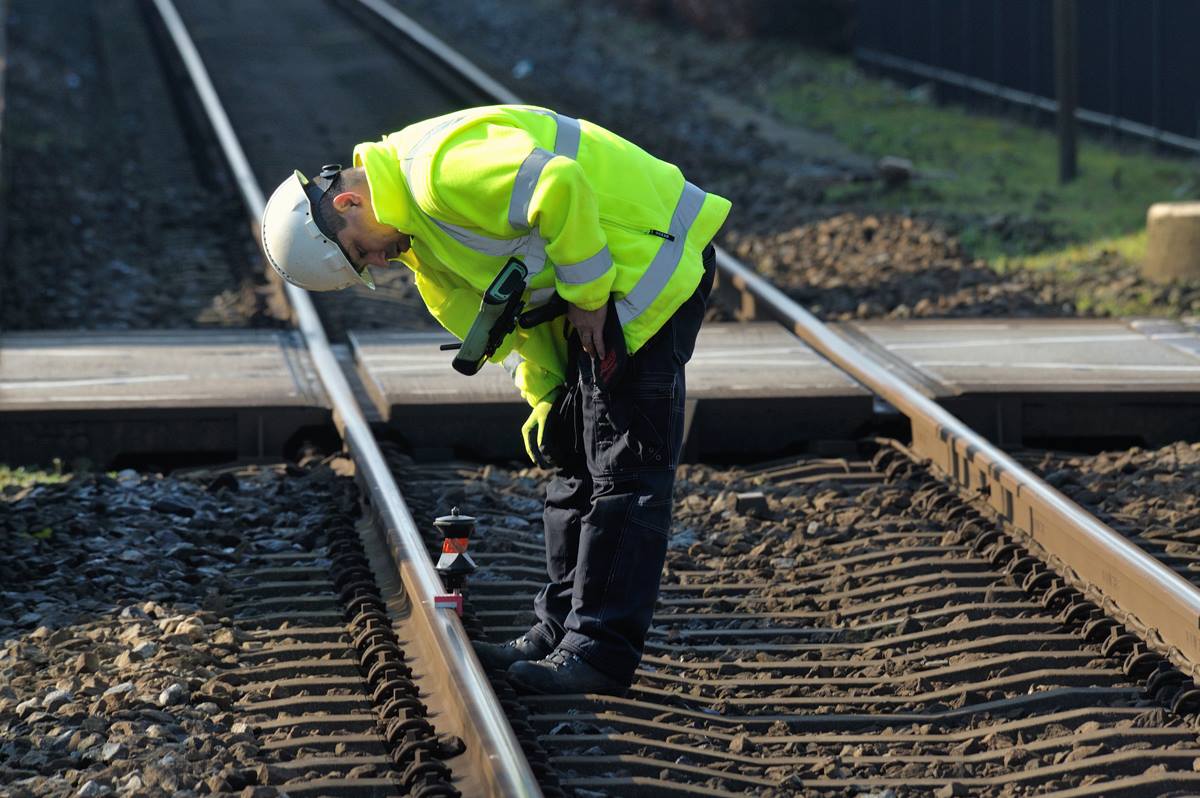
{"points": [[533, 432]]}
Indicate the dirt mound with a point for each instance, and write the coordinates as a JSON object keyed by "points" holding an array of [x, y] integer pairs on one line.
{"points": [[867, 266]]}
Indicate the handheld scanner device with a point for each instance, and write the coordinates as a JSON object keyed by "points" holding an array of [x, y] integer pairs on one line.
{"points": [[497, 318]]}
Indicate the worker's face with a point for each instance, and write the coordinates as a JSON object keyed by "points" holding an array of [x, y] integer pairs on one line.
{"points": [[365, 238]]}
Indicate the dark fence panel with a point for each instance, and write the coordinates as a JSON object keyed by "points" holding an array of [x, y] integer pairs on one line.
{"points": [[1138, 59], [1181, 70]]}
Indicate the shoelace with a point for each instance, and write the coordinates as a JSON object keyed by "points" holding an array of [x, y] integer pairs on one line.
{"points": [[558, 658]]}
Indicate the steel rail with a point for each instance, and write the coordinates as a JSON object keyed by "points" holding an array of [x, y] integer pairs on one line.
{"points": [[493, 751], [1138, 584]]}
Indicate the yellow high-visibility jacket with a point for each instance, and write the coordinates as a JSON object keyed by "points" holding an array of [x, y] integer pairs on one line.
{"points": [[589, 213]]}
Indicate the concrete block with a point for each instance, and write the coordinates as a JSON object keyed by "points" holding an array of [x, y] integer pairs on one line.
{"points": [[1172, 241]]}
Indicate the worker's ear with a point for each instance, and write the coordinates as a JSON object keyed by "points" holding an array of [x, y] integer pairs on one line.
{"points": [[346, 200]]}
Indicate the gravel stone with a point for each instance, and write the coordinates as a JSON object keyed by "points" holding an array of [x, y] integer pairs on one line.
{"points": [[112, 751], [751, 502], [173, 506], [950, 790], [144, 650], [191, 628], [741, 744], [259, 791], [175, 694], [132, 784], [132, 613], [224, 637], [55, 699], [93, 789]]}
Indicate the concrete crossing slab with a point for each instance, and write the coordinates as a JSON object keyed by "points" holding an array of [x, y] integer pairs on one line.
{"points": [[1029, 380], [202, 393], [752, 389], [1052, 355]]}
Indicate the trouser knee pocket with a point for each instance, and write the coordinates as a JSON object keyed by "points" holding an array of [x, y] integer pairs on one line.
{"points": [[635, 429]]}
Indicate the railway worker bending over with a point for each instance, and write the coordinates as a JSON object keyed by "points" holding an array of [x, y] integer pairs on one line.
{"points": [[623, 241]]}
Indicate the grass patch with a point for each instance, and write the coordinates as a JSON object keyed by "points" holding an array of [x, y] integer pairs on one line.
{"points": [[1130, 247], [998, 177], [21, 477]]}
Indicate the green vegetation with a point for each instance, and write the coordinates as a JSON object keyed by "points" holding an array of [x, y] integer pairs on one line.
{"points": [[12, 479], [995, 176]]}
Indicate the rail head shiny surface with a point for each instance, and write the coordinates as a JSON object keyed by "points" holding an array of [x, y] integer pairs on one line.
{"points": [[497, 747]]}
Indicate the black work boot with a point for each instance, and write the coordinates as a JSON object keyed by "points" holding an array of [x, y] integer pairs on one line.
{"points": [[561, 673], [500, 655]]}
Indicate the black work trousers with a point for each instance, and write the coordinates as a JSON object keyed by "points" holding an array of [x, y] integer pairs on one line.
{"points": [[608, 507]]}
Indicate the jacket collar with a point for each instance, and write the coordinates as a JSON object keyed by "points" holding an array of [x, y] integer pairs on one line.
{"points": [[390, 198]]}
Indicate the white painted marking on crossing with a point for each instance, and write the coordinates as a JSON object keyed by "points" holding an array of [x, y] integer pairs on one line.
{"points": [[1017, 342], [38, 384], [1056, 366]]}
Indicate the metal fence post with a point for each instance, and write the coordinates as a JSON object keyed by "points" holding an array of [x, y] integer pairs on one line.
{"points": [[1066, 86]]}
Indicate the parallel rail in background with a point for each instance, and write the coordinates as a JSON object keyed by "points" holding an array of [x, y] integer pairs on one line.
{"points": [[1096, 120], [1144, 590], [449, 665]]}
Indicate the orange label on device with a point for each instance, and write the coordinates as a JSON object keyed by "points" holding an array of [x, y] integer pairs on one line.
{"points": [[454, 545]]}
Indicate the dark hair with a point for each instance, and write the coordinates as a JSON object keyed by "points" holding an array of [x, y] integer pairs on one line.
{"points": [[331, 220]]}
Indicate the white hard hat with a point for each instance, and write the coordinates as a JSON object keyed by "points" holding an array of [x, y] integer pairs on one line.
{"points": [[297, 242]]}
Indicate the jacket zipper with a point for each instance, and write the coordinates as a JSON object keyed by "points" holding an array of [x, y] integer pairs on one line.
{"points": [[632, 228]]}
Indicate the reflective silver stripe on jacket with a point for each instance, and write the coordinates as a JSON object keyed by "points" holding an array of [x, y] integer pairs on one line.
{"points": [[496, 247], [530, 247], [585, 270], [566, 140], [524, 185], [656, 277], [566, 144]]}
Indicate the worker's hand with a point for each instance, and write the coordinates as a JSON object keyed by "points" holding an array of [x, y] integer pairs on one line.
{"points": [[534, 430], [590, 326]]}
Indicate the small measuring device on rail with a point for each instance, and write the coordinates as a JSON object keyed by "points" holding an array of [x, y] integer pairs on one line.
{"points": [[455, 564]]}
